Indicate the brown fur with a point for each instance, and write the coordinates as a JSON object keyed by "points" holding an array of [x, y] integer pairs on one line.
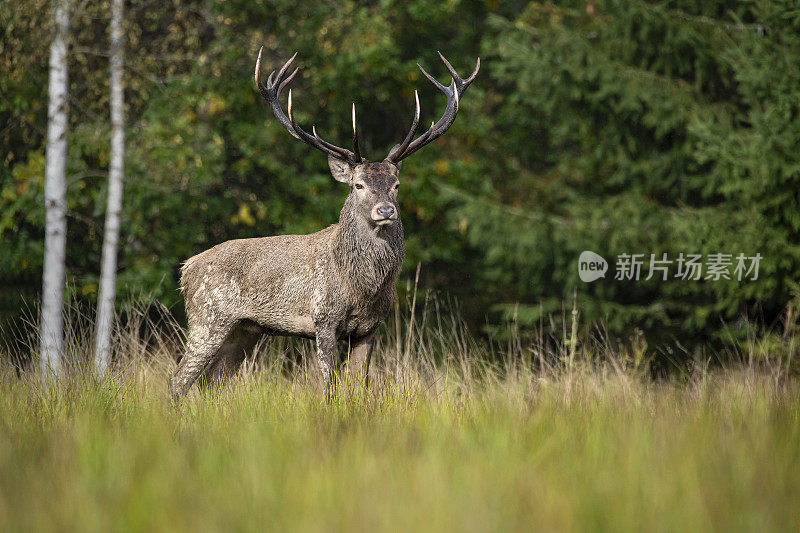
{"points": [[337, 283]]}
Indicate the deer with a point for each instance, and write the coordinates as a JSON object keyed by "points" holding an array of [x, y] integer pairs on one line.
{"points": [[336, 284]]}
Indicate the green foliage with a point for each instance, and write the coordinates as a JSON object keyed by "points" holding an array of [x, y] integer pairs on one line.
{"points": [[643, 128], [631, 127]]}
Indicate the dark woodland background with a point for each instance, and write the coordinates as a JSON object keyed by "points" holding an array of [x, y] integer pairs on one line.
{"points": [[611, 126]]}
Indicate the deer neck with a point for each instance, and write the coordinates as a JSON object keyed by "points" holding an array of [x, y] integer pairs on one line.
{"points": [[368, 257]]}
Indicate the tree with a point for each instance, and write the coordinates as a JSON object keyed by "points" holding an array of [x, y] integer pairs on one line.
{"points": [[55, 197], [648, 128], [108, 274]]}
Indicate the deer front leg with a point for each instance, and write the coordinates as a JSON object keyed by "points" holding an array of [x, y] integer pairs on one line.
{"points": [[326, 355], [358, 362]]}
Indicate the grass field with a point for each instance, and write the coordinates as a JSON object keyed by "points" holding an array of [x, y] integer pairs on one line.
{"points": [[452, 435]]}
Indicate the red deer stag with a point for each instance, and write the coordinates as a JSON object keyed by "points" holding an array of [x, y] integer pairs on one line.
{"points": [[337, 283]]}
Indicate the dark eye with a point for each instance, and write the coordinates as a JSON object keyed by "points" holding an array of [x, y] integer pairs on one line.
{"points": [[359, 186], [396, 186]]}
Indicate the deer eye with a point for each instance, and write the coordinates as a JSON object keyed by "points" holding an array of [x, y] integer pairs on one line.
{"points": [[396, 186], [359, 186]]}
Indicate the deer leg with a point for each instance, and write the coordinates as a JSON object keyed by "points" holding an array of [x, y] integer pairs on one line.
{"points": [[230, 355], [358, 362], [202, 344], [326, 355]]}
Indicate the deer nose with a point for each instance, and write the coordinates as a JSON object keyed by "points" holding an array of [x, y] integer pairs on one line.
{"points": [[385, 211]]}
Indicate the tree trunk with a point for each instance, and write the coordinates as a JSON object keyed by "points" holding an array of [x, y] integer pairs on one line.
{"points": [[55, 194], [108, 273]]}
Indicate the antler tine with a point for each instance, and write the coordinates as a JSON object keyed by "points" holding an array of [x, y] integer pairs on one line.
{"points": [[400, 148], [285, 66], [258, 69], [285, 82], [431, 78], [453, 93], [317, 142], [328, 145], [272, 90], [455, 75], [356, 151], [474, 73]]}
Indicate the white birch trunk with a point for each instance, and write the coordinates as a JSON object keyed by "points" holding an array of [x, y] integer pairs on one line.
{"points": [[108, 271], [55, 192]]}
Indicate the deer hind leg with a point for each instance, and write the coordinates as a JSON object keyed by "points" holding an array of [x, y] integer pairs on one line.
{"points": [[226, 362], [202, 344], [358, 361]]}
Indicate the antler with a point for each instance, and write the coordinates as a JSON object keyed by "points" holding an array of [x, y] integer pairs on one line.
{"points": [[453, 94], [272, 90]]}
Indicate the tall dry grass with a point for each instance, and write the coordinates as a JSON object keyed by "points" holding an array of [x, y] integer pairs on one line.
{"points": [[553, 430]]}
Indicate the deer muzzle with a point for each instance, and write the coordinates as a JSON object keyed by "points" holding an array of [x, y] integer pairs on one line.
{"points": [[383, 214]]}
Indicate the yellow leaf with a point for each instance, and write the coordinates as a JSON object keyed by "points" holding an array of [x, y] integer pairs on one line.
{"points": [[89, 288], [441, 166], [245, 216]]}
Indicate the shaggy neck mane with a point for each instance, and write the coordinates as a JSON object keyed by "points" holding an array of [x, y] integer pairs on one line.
{"points": [[369, 258]]}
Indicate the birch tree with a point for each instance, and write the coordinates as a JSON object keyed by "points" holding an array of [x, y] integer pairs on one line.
{"points": [[108, 272], [55, 192]]}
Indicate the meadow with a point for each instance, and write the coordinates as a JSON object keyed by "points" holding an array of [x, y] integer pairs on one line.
{"points": [[453, 434]]}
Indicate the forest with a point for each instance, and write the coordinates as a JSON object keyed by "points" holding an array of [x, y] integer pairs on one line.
{"points": [[654, 130]]}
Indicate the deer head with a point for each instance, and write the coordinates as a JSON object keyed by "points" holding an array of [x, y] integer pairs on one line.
{"points": [[373, 186]]}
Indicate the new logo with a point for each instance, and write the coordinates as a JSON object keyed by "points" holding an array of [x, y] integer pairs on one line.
{"points": [[591, 266]]}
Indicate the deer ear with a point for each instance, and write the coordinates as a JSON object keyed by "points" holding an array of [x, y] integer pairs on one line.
{"points": [[341, 170]]}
